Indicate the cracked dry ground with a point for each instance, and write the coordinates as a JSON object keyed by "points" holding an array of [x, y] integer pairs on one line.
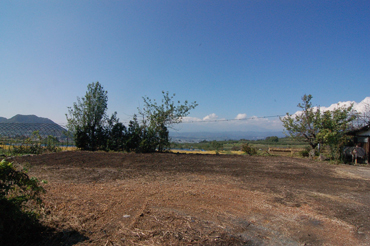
{"points": [[98, 198]]}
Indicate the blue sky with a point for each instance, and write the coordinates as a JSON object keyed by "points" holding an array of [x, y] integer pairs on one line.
{"points": [[246, 58]]}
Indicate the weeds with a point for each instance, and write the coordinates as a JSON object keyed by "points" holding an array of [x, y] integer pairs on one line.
{"points": [[246, 148], [19, 203]]}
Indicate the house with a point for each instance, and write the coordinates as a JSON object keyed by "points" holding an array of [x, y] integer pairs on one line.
{"points": [[362, 139]]}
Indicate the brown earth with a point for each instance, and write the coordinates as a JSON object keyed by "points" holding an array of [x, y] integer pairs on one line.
{"points": [[97, 198]]}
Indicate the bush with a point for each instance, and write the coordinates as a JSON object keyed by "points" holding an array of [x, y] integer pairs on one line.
{"points": [[273, 139], [19, 198], [235, 148], [304, 153], [246, 148]]}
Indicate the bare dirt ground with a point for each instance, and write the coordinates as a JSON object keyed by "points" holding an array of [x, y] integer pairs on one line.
{"points": [[180, 199]]}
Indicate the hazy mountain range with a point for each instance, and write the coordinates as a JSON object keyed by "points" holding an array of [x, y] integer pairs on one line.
{"points": [[25, 125]]}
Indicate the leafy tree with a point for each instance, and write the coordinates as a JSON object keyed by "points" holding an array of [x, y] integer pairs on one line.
{"points": [[216, 145], [117, 137], [316, 127], [133, 136], [334, 125], [273, 139], [88, 117], [305, 125], [159, 117]]}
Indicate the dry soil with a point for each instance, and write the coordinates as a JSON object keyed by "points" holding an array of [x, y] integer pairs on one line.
{"points": [[98, 198]]}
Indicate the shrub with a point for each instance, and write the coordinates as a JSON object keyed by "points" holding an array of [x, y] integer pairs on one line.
{"points": [[216, 146], [19, 197], [246, 148], [235, 148], [304, 153]]}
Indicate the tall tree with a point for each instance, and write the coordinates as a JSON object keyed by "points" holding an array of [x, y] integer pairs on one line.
{"points": [[314, 127], [157, 118], [334, 126], [304, 125], [88, 115]]}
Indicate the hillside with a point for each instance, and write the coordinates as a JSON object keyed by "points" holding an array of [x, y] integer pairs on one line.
{"points": [[26, 119], [24, 125]]}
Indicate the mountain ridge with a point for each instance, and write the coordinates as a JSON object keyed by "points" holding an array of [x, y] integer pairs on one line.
{"points": [[25, 125], [19, 118]]}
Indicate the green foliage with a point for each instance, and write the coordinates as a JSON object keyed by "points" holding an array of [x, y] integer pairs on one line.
{"points": [[51, 144], [144, 139], [246, 148], [306, 125], [133, 136], [36, 145], [216, 146], [334, 126], [19, 194], [157, 118], [117, 137], [167, 113], [273, 139], [235, 148], [316, 127], [93, 130], [88, 118], [305, 152]]}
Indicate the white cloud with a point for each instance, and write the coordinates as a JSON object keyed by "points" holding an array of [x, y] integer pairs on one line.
{"points": [[241, 116], [209, 117], [361, 107]]}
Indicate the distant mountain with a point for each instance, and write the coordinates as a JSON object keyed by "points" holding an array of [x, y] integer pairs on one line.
{"points": [[24, 125], [29, 119]]}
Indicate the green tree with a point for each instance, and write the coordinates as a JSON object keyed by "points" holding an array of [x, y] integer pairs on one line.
{"points": [[159, 117], [88, 116], [216, 146], [133, 136], [334, 125], [116, 133], [316, 127], [273, 139], [305, 125]]}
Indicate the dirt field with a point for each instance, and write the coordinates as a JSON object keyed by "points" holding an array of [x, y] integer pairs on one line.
{"points": [[178, 199]]}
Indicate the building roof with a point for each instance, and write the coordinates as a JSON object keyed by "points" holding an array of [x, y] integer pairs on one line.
{"points": [[363, 131]]}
